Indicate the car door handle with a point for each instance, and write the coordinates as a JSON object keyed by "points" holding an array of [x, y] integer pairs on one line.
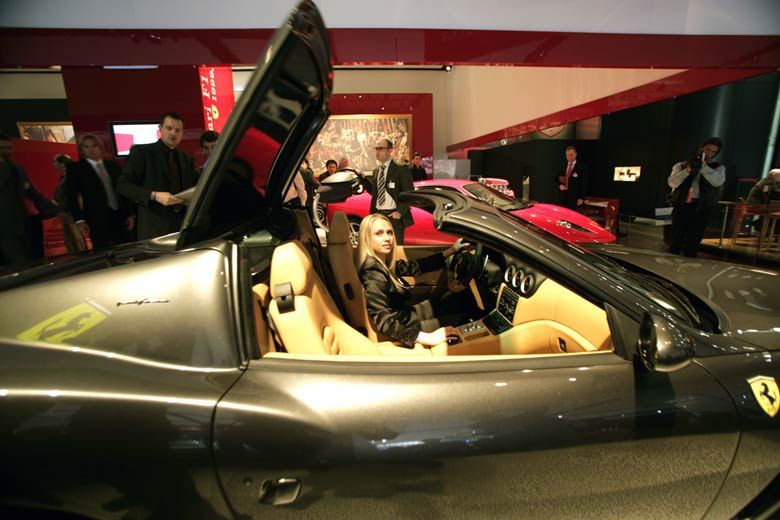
{"points": [[279, 491]]}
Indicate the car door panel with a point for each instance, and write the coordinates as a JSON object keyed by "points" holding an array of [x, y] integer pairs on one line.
{"points": [[556, 436], [756, 463], [104, 437]]}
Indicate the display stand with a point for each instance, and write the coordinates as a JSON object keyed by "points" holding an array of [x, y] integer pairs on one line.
{"points": [[603, 210]]}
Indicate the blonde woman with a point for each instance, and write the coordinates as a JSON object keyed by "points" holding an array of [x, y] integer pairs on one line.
{"points": [[388, 300]]}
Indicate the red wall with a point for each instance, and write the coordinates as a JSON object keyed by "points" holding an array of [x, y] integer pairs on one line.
{"points": [[30, 47], [36, 157], [96, 96], [419, 105]]}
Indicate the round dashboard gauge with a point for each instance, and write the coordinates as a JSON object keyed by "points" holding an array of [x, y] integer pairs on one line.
{"points": [[527, 284], [509, 274], [516, 279]]}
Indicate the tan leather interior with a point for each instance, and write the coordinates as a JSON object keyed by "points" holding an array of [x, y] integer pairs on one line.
{"points": [[261, 298], [341, 255], [313, 325], [535, 337], [586, 321], [576, 326], [554, 320]]}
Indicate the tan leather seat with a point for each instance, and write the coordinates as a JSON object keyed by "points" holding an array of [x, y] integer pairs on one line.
{"points": [[341, 256], [305, 315]]}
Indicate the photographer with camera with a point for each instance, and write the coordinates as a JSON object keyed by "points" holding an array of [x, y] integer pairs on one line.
{"points": [[696, 185]]}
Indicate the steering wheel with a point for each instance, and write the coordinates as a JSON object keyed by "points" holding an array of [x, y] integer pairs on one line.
{"points": [[465, 265]]}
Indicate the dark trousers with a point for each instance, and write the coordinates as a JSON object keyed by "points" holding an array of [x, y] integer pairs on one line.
{"points": [[34, 230], [14, 249], [688, 224], [444, 307], [107, 232], [448, 309], [398, 226]]}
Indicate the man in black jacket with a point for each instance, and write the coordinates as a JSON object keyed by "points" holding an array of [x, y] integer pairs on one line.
{"points": [[94, 203], [153, 174], [573, 184], [17, 188], [390, 180], [208, 141], [14, 247], [418, 172]]}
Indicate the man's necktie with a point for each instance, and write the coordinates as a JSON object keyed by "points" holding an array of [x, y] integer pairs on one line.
{"points": [[380, 187], [174, 174], [108, 186], [568, 172]]}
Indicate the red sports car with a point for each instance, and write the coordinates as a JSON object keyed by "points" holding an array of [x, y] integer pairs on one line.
{"points": [[563, 222]]}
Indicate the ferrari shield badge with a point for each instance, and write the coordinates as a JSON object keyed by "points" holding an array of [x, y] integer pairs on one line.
{"points": [[766, 392], [67, 324]]}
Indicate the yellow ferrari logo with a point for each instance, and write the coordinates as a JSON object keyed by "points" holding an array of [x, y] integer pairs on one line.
{"points": [[65, 325], [766, 392], [214, 112]]}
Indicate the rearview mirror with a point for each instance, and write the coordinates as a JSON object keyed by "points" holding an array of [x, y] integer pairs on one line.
{"points": [[663, 345]]}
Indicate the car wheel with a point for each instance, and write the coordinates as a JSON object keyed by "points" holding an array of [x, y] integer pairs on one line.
{"points": [[322, 213], [354, 229]]}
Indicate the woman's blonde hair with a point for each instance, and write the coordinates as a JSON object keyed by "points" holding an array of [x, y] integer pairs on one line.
{"points": [[365, 249]]}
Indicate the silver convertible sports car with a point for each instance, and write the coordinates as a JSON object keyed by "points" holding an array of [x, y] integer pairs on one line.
{"points": [[229, 370]]}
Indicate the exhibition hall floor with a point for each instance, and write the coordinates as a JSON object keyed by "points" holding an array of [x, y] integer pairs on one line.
{"points": [[649, 234]]}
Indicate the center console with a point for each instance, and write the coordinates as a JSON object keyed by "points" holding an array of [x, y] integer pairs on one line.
{"points": [[497, 321]]}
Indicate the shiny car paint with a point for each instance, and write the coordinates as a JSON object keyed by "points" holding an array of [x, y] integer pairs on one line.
{"points": [[745, 298], [132, 383], [558, 220]]}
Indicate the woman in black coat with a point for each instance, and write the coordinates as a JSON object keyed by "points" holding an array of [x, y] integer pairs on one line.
{"points": [[388, 300]]}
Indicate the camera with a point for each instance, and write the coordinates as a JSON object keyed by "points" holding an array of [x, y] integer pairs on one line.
{"points": [[695, 162]]}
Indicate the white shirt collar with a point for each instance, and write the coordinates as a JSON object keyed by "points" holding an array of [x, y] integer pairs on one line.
{"points": [[94, 163], [387, 164]]}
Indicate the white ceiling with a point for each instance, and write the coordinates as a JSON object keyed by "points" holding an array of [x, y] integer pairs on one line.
{"points": [[723, 17]]}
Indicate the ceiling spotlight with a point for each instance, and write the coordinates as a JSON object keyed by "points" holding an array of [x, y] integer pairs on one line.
{"points": [[447, 68]]}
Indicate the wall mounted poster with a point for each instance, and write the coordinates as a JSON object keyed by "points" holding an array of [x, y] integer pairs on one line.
{"points": [[352, 137], [627, 173], [51, 131]]}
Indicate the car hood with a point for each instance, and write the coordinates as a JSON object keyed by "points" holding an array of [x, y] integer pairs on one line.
{"points": [[565, 223], [747, 299]]}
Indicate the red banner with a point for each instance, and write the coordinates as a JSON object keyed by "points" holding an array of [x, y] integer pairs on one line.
{"points": [[216, 88]]}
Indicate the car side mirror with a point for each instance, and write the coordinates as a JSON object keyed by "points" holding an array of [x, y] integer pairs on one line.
{"points": [[340, 186], [663, 345], [336, 188]]}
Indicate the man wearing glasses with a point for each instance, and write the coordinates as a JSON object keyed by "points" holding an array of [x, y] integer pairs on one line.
{"points": [[389, 181]]}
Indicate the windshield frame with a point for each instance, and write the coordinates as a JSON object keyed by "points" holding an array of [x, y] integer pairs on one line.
{"points": [[601, 278], [616, 271], [497, 199]]}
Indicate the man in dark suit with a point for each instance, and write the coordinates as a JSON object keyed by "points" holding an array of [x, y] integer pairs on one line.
{"points": [[153, 174], [208, 141], [418, 172], [14, 247], [390, 180], [94, 203], [330, 168], [573, 184], [37, 208]]}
